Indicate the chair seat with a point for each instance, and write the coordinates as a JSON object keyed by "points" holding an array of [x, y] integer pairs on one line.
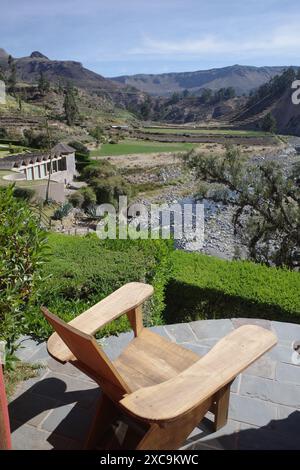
{"points": [[151, 359]]}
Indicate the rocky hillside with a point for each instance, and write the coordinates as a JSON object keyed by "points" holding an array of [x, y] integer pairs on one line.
{"points": [[274, 98], [57, 71], [29, 69], [242, 78]]}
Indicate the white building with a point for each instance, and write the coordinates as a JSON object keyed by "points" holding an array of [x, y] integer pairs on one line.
{"points": [[60, 162]]}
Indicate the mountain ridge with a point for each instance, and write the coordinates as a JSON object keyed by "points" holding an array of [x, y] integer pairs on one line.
{"points": [[243, 78]]}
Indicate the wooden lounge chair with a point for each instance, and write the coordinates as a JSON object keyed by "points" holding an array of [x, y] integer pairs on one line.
{"points": [[162, 389]]}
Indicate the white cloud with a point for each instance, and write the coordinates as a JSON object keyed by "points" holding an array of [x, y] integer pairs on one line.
{"points": [[282, 40]]}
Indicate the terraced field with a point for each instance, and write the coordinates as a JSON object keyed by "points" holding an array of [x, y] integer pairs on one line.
{"points": [[202, 131], [128, 147]]}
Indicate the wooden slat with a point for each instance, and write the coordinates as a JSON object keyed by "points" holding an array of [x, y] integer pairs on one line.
{"points": [[179, 395], [135, 318], [221, 407], [86, 350], [123, 300], [151, 359]]}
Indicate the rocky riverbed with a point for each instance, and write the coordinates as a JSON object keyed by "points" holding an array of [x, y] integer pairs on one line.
{"points": [[219, 237]]}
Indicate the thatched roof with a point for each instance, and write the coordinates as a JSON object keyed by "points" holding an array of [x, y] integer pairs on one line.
{"points": [[62, 149]]}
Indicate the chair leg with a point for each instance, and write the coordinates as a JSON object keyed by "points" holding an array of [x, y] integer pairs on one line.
{"points": [[172, 435], [106, 413], [221, 407]]}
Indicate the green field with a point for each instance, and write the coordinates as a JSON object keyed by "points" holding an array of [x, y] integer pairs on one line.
{"points": [[128, 147], [234, 132]]}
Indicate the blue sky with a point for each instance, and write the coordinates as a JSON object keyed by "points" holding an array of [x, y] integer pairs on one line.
{"points": [[120, 37]]}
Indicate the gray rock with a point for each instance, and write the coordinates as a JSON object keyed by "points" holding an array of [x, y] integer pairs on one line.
{"points": [[211, 328]]}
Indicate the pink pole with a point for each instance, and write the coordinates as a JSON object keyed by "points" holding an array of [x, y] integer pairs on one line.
{"points": [[5, 439]]}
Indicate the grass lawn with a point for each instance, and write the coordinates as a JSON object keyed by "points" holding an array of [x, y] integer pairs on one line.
{"points": [[128, 147], [235, 132]]}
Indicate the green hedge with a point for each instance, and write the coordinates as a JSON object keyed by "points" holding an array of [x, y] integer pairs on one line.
{"points": [[207, 287], [83, 270]]}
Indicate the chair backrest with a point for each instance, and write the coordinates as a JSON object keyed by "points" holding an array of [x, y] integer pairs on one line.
{"points": [[87, 352]]}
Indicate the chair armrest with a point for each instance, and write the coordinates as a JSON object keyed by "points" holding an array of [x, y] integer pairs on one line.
{"points": [[175, 397], [123, 301]]}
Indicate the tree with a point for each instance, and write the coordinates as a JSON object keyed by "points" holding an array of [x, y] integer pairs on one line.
{"points": [[267, 204], [2, 74], [146, 108], [12, 79], [174, 98], [44, 84], [269, 123], [206, 95], [70, 106], [98, 134]]}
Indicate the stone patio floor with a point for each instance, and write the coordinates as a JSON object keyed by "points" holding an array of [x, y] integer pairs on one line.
{"points": [[54, 410]]}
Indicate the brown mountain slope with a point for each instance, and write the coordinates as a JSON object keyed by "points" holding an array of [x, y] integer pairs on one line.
{"points": [[242, 78], [29, 70], [286, 113]]}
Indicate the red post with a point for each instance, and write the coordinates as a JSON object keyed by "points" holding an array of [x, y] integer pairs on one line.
{"points": [[5, 440]]}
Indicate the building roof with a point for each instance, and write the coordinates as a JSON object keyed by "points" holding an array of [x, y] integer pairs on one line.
{"points": [[16, 160], [61, 148]]}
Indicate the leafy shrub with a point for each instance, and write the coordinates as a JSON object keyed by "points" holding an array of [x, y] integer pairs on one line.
{"points": [[24, 193], [84, 197], [82, 271], [207, 287], [3, 133], [99, 169], [108, 190], [22, 251], [62, 211], [79, 147], [89, 197], [35, 140], [76, 199]]}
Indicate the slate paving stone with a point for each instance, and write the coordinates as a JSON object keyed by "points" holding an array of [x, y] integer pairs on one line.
{"points": [[286, 331], [237, 322], [250, 410], [41, 356], [28, 347], [30, 383], [181, 332], [160, 330], [265, 438], [114, 345], [270, 391], [31, 408], [66, 369], [224, 438], [28, 437], [263, 367], [288, 373], [70, 421], [67, 389], [236, 384], [197, 348], [208, 342], [204, 329], [284, 412], [281, 353]]}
